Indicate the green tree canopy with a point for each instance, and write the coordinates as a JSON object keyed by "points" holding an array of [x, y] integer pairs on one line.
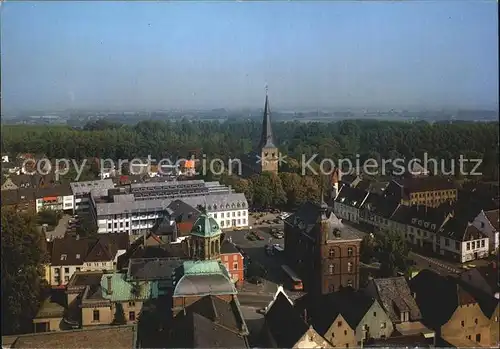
{"points": [[23, 255]]}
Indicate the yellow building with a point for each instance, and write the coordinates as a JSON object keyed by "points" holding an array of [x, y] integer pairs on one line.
{"points": [[428, 191]]}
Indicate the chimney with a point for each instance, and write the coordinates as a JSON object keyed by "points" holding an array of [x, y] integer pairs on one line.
{"points": [[305, 315], [110, 290]]}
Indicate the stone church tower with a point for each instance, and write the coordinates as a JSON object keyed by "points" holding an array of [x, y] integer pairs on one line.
{"points": [[268, 152]]}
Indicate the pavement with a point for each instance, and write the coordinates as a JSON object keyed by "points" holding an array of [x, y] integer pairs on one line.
{"points": [[60, 230], [437, 265]]}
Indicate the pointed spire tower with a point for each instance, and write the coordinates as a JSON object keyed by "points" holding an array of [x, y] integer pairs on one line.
{"points": [[268, 150]]}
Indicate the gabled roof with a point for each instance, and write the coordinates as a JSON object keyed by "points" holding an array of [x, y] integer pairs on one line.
{"points": [[284, 323], [193, 330], [228, 248], [487, 302], [380, 205], [493, 218], [226, 314], [153, 268], [422, 184], [438, 297], [99, 337], [352, 305], [351, 196], [422, 217], [395, 296], [459, 229], [182, 212], [71, 250]]}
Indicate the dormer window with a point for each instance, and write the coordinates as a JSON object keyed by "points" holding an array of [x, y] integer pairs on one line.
{"points": [[227, 205], [420, 222], [433, 226], [238, 205], [215, 206], [266, 154], [413, 220], [77, 256], [209, 207], [243, 205], [405, 316], [426, 224], [64, 257]]}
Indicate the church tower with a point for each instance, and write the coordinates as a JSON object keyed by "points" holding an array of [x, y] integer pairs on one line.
{"points": [[205, 239], [268, 151]]}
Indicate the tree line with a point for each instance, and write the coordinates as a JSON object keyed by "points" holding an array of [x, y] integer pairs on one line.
{"points": [[334, 140]]}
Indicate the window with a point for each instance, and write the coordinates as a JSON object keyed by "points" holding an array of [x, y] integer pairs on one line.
{"points": [[95, 316], [331, 268], [221, 223], [131, 315], [349, 283], [478, 337], [78, 268], [482, 224], [63, 257], [215, 215], [126, 225], [66, 270], [468, 246], [227, 214], [475, 321], [131, 304], [115, 225], [66, 279], [339, 324], [349, 267], [345, 332], [383, 325], [244, 221], [239, 213], [235, 266], [349, 251], [331, 253], [447, 242], [109, 225], [235, 257], [347, 345], [457, 245], [462, 323], [482, 243], [374, 314]]}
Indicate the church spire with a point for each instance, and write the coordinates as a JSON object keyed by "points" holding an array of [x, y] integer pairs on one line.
{"points": [[266, 139]]}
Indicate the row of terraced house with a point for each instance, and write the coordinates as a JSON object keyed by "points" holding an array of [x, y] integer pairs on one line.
{"points": [[426, 212]]}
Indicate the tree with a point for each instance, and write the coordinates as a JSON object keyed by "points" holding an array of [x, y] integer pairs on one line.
{"points": [[86, 227], [49, 217], [392, 252], [119, 318], [23, 255], [367, 249]]}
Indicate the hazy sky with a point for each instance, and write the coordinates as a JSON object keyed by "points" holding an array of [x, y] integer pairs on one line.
{"points": [[220, 55]]}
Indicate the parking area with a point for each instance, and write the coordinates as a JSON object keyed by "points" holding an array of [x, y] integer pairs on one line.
{"points": [[256, 258]]}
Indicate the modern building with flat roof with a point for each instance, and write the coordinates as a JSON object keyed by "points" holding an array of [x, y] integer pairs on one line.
{"points": [[136, 209]]}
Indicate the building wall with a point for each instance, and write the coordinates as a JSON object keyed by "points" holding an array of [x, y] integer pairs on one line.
{"points": [[231, 218], [234, 265], [311, 339], [374, 324], [340, 334], [137, 224], [474, 249], [431, 198], [344, 257], [106, 316], [346, 212], [53, 324], [269, 160], [483, 224], [98, 266], [60, 274], [468, 321], [495, 327]]}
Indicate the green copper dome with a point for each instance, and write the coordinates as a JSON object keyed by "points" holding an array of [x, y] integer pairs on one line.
{"points": [[205, 227]]}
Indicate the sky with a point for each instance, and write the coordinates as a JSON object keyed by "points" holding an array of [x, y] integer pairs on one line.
{"points": [[163, 55]]}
